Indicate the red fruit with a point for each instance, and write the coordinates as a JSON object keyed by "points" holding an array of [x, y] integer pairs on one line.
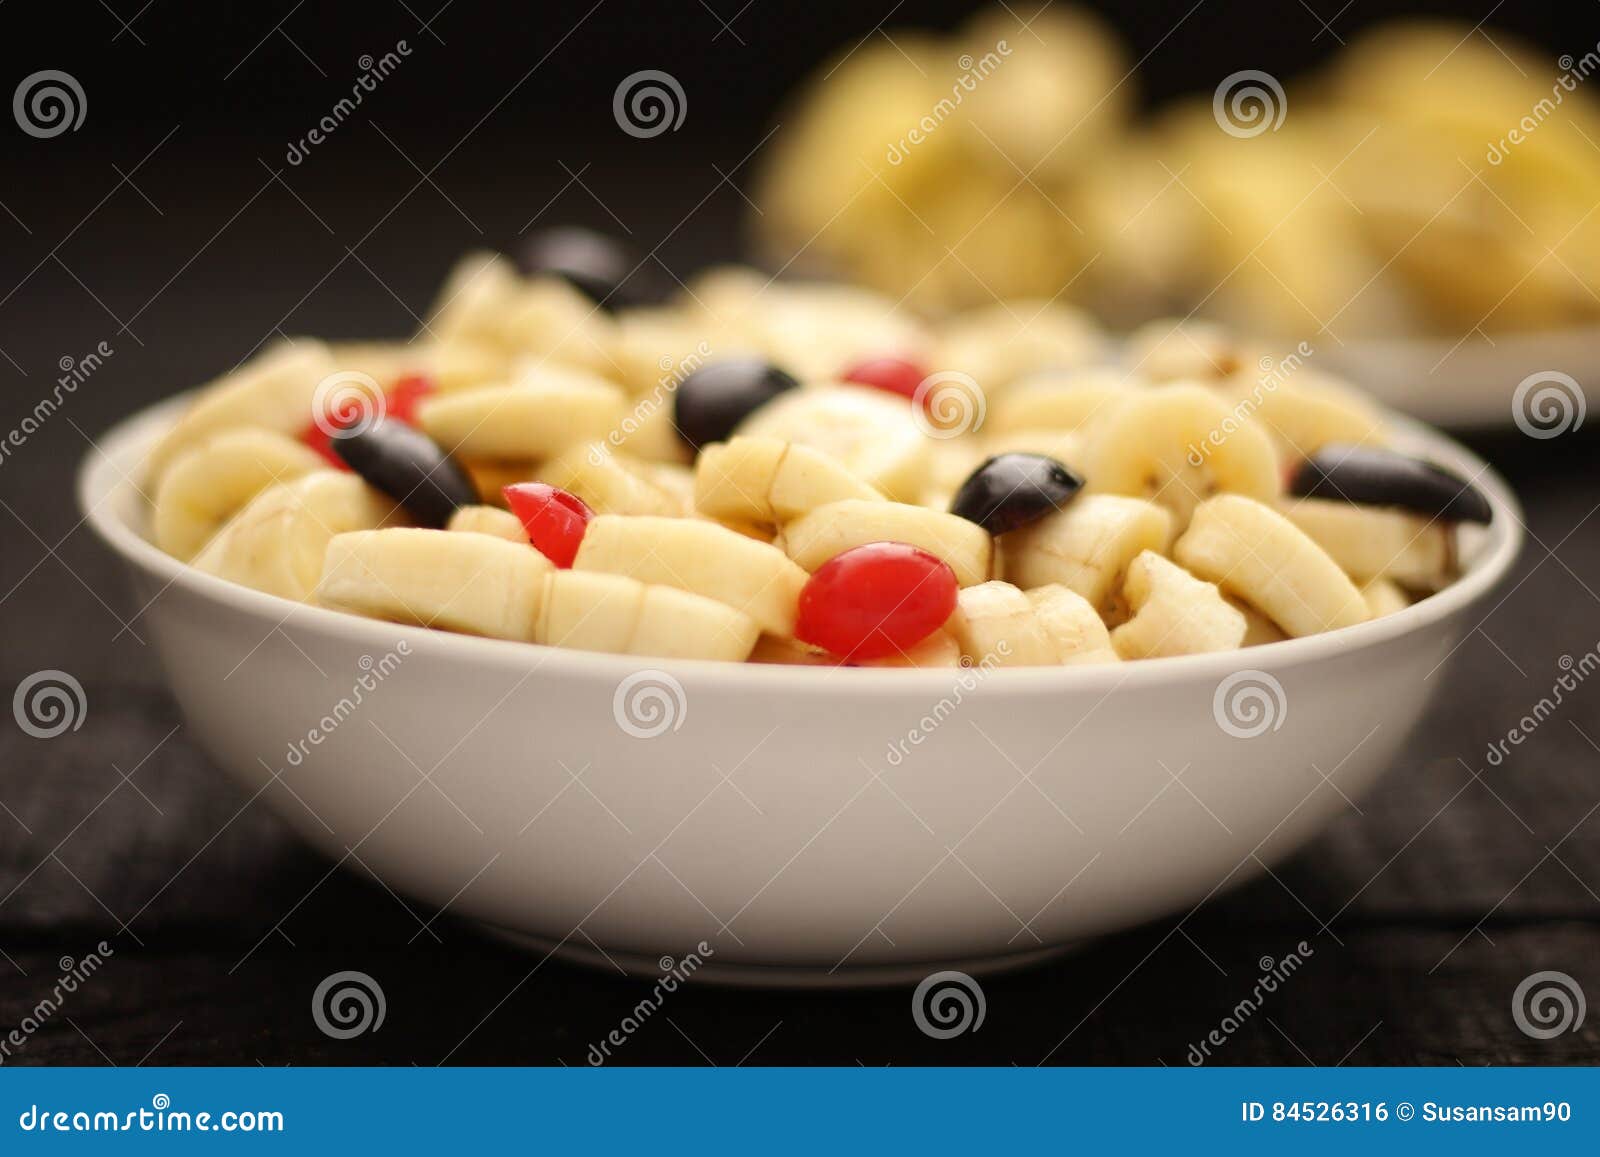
{"points": [[876, 600], [404, 395], [555, 520], [896, 375], [321, 441]]}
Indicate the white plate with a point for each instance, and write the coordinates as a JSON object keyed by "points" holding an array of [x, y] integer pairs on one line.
{"points": [[808, 825], [1472, 383]]}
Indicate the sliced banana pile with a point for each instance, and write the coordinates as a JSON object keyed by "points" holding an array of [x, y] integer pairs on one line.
{"points": [[808, 476], [1433, 177]]}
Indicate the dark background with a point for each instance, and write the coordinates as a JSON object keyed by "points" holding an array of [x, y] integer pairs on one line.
{"points": [[170, 227]]}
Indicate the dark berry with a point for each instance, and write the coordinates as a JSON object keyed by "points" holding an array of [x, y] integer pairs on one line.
{"points": [[712, 401], [1372, 476], [409, 467], [1011, 490], [592, 262]]}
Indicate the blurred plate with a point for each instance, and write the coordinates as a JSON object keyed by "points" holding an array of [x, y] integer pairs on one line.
{"points": [[1474, 383]]}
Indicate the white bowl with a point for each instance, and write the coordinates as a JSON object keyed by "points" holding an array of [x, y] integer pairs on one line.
{"points": [[1472, 382], [809, 825]]}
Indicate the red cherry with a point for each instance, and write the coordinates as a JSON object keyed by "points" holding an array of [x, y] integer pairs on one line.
{"points": [[404, 395], [876, 600], [554, 519], [896, 375], [318, 433], [321, 441]]}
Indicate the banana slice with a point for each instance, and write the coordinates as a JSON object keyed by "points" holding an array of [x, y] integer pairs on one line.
{"points": [[648, 432], [724, 290], [657, 347], [1065, 446], [474, 297], [1174, 349], [451, 366], [816, 329], [1303, 415], [997, 344], [940, 649], [209, 483], [1072, 625], [790, 652], [1060, 401], [1372, 542], [950, 463], [1085, 546], [277, 543], [488, 520], [463, 365], [1257, 554], [1258, 629], [814, 538], [383, 361], [671, 479], [275, 390], [765, 480], [608, 482], [475, 584], [556, 323], [870, 433], [996, 625], [1384, 597], [531, 420], [1177, 445], [676, 624], [590, 611], [1174, 613], [701, 557]]}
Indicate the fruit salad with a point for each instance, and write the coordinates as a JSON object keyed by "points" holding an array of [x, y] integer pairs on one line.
{"points": [[772, 472]]}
